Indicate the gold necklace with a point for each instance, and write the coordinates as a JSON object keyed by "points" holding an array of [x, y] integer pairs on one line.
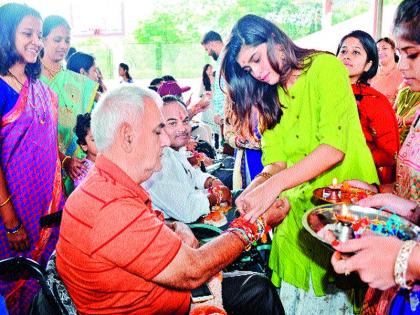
{"points": [[15, 78], [41, 114], [52, 72]]}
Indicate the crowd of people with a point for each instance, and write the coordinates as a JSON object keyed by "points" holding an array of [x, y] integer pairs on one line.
{"points": [[127, 170]]}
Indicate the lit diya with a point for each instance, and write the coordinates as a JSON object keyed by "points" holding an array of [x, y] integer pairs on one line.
{"points": [[333, 191], [334, 223], [340, 193], [344, 224]]}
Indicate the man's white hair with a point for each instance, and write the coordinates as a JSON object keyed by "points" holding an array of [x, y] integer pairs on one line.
{"points": [[122, 104]]}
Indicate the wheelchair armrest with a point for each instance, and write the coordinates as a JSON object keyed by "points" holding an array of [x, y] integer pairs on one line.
{"points": [[21, 268]]}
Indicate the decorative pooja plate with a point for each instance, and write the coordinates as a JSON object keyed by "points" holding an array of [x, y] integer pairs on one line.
{"points": [[333, 222], [344, 194]]}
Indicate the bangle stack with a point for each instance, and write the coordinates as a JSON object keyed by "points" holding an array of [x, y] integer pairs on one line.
{"points": [[5, 202], [401, 264], [15, 229], [249, 233]]}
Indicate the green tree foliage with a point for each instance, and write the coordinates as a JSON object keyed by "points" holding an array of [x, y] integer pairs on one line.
{"points": [[186, 21], [175, 30]]}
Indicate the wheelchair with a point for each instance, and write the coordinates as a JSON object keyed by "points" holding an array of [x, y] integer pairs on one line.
{"points": [[53, 297]]}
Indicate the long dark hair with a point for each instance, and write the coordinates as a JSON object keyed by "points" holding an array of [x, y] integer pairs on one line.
{"points": [[126, 68], [243, 90], [206, 78], [369, 46], [407, 21], [79, 61], [11, 15]]}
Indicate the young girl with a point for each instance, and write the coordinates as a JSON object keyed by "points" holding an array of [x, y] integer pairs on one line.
{"points": [[359, 54], [86, 142], [310, 134], [124, 74]]}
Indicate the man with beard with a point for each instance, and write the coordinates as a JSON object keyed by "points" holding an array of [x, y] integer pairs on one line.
{"points": [[180, 190], [213, 45]]}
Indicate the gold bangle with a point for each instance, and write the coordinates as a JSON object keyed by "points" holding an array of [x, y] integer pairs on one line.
{"points": [[265, 175], [66, 158], [5, 202]]}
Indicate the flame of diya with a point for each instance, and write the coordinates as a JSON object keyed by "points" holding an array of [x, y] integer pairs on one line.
{"points": [[345, 216]]}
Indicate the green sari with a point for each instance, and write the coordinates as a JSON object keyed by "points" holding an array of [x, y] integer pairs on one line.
{"points": [[76, 95]]}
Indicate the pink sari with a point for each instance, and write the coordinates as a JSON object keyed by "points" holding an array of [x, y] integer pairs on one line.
{"points": [[31, 166]]}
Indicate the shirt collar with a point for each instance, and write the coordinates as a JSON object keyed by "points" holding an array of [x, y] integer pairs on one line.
{"points": [[109, 169]]}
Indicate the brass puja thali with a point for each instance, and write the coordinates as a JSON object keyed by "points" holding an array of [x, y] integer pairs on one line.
{"points": [[339, 222], [341, 193]]}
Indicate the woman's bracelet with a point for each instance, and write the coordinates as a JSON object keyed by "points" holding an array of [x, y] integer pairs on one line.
{"points": [[401, 264], [67, 157], [5, 202], [265, 175], [15, 229]]}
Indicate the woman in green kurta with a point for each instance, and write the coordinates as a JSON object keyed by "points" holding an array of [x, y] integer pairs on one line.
{"points": [[311, 134], [76, 94]]}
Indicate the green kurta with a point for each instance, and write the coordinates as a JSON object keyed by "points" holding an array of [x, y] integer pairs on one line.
{"points": [[320, 108]]}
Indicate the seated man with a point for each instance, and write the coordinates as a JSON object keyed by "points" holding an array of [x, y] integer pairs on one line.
{"points": [[115, 255], [180, 190]]}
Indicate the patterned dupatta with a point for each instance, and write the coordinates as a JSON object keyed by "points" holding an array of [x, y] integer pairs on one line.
{"points": [[76, 95], [31, 166]]}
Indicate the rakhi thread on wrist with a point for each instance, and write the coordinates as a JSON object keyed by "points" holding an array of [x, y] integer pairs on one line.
{"points": [[248, 232], [401, 264]]}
